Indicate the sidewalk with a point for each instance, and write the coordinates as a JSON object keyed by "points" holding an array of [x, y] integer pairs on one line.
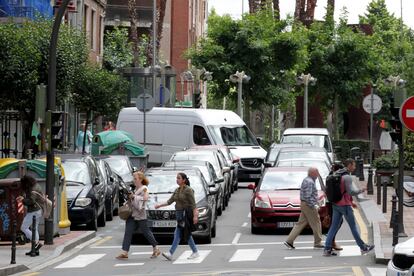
{"points": [[47, 252], [379, 222]]}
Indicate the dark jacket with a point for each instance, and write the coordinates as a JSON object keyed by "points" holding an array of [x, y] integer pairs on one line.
{"points": [[188, 224], [31, 200]]}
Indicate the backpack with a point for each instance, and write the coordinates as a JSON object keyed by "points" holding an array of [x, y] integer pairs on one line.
{"points": [[44, 203], [333, 187]]}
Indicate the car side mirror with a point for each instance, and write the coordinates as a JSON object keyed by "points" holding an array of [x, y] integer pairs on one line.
{"points": [[226, 169], [251, 186], [96, 182], [259, 140], [214, 190], [236, 160], [219, 180]]}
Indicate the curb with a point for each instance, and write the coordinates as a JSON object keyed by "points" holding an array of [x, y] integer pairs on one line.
{"points": [[13, 269]]}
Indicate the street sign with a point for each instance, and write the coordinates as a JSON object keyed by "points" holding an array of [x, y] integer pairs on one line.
{"points": [[376, 104], [407, 113], [145, 100]]}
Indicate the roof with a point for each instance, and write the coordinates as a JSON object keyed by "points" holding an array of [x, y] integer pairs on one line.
{"points": [[312, 131], [307, 149], [208, 116], [286, 169]]}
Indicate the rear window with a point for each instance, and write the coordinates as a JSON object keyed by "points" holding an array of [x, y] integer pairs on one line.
{"points": [[320, 141]]}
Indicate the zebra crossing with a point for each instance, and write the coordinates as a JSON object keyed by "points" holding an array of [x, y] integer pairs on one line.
{"points": [[239, 255]]}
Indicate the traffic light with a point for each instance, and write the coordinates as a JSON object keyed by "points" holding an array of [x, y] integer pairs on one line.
{"points": [[396, 125], [54, 129], [197, 100]]}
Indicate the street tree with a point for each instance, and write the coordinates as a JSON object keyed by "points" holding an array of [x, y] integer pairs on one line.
{"points": [[99, 92], [117, 49]]}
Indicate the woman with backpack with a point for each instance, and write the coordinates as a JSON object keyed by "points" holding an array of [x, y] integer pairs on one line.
{"points": [[31, 199], [186, 215], [138, 218]]}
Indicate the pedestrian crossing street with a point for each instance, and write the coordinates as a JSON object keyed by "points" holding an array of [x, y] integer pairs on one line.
{"points": [[239, 255]]}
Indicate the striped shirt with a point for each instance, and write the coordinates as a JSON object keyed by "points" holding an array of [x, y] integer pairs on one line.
{"points": [[308, 192]]}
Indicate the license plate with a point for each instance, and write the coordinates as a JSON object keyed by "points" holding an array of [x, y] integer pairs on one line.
{"points": [[285, 224], [164, 223], [255, 176]]}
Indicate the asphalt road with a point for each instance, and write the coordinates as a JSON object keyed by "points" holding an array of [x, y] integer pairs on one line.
{"points": [[235, 251]]}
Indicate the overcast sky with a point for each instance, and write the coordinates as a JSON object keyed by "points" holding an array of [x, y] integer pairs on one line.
{"points": [[354, 7]]}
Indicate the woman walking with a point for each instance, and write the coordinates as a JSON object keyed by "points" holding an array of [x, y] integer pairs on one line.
{"points": [[138, 218], [186, 214], [30, 198]]}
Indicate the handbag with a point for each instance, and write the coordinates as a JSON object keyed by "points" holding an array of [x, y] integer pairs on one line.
{"points": [[125, 211]]}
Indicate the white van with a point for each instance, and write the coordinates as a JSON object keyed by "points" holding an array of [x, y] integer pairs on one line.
{"points": [[316, 137], [169, 130]]}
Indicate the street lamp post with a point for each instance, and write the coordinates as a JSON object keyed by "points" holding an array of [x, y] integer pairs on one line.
{"points": [[207, 76], [306, 80], [396, 82], [185, 76], [239, 78]]}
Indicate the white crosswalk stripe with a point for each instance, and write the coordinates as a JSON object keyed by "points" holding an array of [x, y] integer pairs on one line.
{"points": [[128, 264], [183, 257], [242, 255], [374, 271], [81, 261]]}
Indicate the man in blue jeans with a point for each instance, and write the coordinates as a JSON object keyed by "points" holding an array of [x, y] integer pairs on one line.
{"points": [[343, 208]]}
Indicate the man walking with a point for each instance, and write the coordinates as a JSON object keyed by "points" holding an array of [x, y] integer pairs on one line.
{"points": [[343, 208], [309, 211]]}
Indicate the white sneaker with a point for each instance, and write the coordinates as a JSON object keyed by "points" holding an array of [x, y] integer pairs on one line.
{"points": [[167, 255], [195, 255]]}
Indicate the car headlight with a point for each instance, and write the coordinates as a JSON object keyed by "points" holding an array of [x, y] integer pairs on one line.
{"points": [[261, 203], [202, 211], [322, 202], [83, 202]]}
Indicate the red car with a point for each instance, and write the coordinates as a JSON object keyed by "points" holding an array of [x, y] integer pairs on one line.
{"points": [[275, 203]]}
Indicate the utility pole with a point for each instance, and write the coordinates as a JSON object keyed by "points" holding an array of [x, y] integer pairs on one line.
{"points": [[306, 80], [239, 78]]}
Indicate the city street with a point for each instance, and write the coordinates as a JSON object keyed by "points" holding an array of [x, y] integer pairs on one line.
{"points": [[235, 251]]}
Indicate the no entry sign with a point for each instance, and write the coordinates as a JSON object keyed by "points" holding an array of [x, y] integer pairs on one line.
{"points": [[407, 113]]}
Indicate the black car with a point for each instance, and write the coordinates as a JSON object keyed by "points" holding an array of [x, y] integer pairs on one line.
{"points": [[112, 189], [122, 166], [85, 191], [209, 175], [162, 184]]}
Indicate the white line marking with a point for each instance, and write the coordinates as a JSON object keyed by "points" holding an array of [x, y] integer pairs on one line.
{"points": [[376, 271], [183, 258], [305, 248], [81, 261], [350, 251], [244, 224], [142, 253], [249, 215], [129, 264], [410, 113], [236, 238], [298, 257], [246, 255]]}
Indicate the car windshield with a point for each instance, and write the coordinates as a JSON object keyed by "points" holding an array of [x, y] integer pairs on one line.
{"points": [[166, 183], [287, 155], [122, 167], [233, 135], [77, 171], [291, 180], [320, 165], [319, 141], [197, 155]]}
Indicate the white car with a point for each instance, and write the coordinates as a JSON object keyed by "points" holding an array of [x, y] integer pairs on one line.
{"points": [[402, 261]]}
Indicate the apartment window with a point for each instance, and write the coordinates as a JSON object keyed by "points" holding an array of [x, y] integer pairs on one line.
{"points": [[93, 31]]}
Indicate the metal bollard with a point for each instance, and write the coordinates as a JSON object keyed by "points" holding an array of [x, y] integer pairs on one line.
{"points": [[384, 196], [33, 250], [394, 221], [360, 164], [378, 177], [393, 210]]}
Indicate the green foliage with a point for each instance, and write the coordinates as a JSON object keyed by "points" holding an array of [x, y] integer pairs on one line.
{"points": [[100, 91], [347, 145], [117, 49], [386, 161], [24, 61], [409, 151], [258, 45]]}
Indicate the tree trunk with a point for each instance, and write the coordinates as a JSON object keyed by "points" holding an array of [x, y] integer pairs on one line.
{"points": [[253, 5], [85, 131], [305, 11], [330, 11], [298, 7], [310, 10], [276, 9], [133, 18]]}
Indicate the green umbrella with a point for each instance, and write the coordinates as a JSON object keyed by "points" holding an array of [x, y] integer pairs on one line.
{"points": [[111, 137]]}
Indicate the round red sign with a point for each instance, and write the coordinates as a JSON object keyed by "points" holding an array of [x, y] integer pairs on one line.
{"points": [[407, 113]]}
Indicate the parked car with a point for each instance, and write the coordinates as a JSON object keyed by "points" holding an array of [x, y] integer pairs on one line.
{"points": [[275, 201], [209, 175], [85, 191], [215, 159], [163, 184], [402, 260], [274, 151], [112, 191], [121, 165], [316, 137], [230, 160], [303, 153], [322, 165]]}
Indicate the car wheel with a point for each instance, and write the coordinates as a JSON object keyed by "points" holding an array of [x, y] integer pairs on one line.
{"points": [[109, 211], [254, 230], [207, 240], [101, 218], [227, 200], [236, 186], [214, 231], [219, 211], [93, 225], [223, 204], [116, 208]]}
